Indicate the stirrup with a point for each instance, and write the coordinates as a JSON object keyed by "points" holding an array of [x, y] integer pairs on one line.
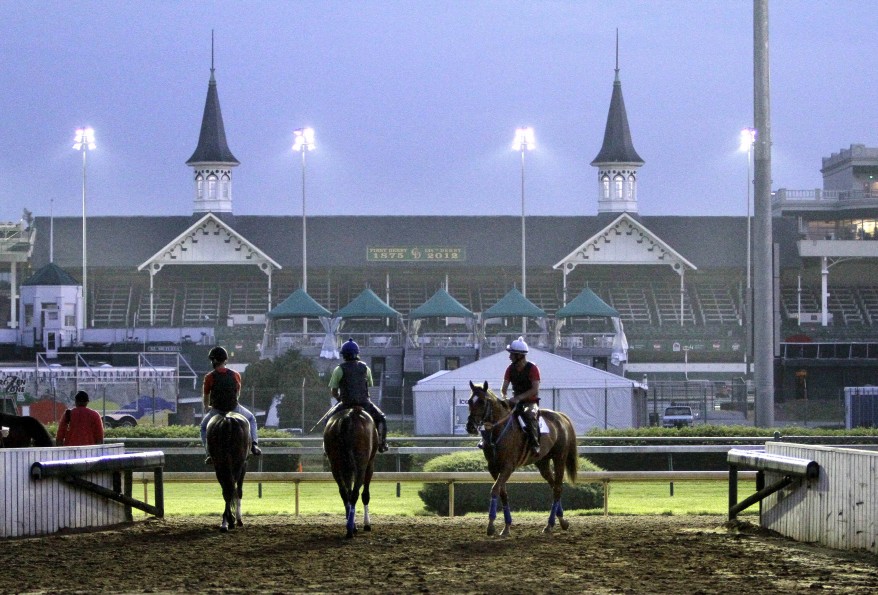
{"points": [[208, 460], [383, 447], [255, 450]]}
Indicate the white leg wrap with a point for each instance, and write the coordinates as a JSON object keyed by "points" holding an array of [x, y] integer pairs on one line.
{"points": [[366, 520]]}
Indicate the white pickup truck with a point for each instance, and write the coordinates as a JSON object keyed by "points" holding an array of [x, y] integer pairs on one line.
{"points": [[678, 416]]}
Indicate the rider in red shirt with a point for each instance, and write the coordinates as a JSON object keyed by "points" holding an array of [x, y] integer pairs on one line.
{"points": [[80, 426], [524, 376]]}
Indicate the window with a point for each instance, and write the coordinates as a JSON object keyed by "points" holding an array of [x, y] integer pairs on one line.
{"points": [[199, 186], [211, 186], [605, 187], [226, 185], [452, 363], [69, 320], [631, 181], [618, 182], [28, 315]]}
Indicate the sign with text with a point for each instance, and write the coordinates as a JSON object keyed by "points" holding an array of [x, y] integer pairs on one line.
{"points": [[415, 254]]}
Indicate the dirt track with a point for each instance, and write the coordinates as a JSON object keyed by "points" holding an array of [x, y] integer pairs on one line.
{"points": [[652, 554]]}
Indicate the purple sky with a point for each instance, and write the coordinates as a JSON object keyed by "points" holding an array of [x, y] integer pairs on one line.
{"points": [[415, 103]]}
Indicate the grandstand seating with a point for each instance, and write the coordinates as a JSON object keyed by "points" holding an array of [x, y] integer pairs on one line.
{"points": [[247, 299], [789, 296], [843, 305], [201, 303], [111, 305], [631, 302], [667, 305], [165, 304], [715, 303], [869, 300]]}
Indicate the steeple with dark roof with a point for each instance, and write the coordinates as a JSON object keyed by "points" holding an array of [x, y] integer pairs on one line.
{"points": [[617, 161], [212, 160]]}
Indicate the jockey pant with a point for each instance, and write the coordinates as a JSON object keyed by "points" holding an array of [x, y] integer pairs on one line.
{"points": [[239, 409], [529, 412]]}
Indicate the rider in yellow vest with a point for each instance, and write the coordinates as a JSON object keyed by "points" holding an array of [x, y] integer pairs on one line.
{"points": [[350, 382]]}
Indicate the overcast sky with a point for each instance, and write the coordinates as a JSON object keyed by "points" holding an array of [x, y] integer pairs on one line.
{"points": [[415, 102]]}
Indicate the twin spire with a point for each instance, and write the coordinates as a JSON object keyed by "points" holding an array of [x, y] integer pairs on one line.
{"points": [[212, 161], [617, 161]]}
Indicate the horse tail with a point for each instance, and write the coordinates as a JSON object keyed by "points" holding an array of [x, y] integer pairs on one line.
{"points": [[346, 440], [572, 461]]}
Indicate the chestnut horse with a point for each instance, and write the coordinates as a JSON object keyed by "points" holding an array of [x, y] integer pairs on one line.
{"points": [[350, 440], [24, 431], [228, 443], [506, 448]]}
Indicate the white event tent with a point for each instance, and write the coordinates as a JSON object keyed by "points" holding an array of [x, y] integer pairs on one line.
{"points": [[591, 397]]}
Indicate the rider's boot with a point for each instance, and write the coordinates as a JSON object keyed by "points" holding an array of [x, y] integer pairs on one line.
{"points": [[382, 436], [534, 435], [255, 450]]}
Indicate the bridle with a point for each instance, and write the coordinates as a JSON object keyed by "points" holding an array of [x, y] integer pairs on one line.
{"points": [[487, 423]]}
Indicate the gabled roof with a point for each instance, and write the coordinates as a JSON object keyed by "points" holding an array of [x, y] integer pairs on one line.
{"points": [[51, 274], [209, 240], [587, 303], [298, 304], [212, 146], [514, 304], [617, 147], [439, 305], [625, 241], [367, 305]]}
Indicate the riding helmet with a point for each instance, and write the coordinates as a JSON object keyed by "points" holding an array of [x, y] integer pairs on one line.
{"points": [[350, 349], [218, 354], [517, 346], [81, 397]]}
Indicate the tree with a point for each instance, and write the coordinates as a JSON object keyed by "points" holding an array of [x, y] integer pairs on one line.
{"points": [[285, 375]]}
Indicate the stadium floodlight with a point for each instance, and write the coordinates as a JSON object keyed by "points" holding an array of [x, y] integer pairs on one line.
{"points": [[747, 140], [84, 141], [304, 142], [524, 141]]}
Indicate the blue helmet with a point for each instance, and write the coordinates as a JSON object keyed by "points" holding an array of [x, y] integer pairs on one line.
{"points": [[350, 349]]}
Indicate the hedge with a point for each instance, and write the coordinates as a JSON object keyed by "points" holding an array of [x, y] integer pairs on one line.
{"points": [[475, 497]]}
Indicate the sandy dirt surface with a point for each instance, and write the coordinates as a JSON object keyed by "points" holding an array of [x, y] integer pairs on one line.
{"points": [[277, 554]]}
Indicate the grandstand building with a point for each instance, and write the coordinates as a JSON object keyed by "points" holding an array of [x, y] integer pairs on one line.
{"points": [[677, 283]]}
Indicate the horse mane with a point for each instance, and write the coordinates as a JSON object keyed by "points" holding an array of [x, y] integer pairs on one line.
{"points": [[495, 398]]}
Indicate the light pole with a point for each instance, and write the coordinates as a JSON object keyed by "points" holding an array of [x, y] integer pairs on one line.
{"points": [[84, 141], [748, 139], [524, 141], [304, 142]]}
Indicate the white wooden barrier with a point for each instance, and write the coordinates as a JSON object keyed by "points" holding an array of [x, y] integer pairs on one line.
{"points": [[839, 509], [30, 507]]}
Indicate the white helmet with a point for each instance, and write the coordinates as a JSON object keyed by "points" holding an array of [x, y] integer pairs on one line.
{"points": [[517, 346]]}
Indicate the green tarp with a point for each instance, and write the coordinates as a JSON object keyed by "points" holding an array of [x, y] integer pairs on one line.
{"points": [[441, 304], [587, 303], [298, 304], [367, 305], [513, 304]]}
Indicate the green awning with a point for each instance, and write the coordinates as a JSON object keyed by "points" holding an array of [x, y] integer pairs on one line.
{"points": [[298, 304], [440, 305], [587, 303], [514, 304], [367, 305]]}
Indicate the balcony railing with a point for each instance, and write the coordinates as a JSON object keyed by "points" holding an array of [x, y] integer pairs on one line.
{"points": [[787, 195]]}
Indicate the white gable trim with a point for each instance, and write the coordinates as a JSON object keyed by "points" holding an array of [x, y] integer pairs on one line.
{"points": [[625, 241], [209, 241]]}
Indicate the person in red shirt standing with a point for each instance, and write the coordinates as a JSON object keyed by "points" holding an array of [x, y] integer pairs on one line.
{"points": [[80, 426], [524, 376]]}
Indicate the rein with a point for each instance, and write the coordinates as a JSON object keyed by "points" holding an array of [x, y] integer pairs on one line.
{"points": [[488, 425]]}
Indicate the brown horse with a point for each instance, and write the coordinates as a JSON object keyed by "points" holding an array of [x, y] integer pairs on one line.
{"points": [[350, 440], [228, 443], [24, 431], [506, 448]]}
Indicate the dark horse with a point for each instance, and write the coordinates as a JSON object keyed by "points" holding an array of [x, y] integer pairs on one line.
{"points": [[24, 431], [506, 449], [350, 440], [228, 443]]}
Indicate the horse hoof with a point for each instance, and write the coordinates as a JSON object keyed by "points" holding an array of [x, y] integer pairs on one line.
{"points": [[505, 531], [548, 529], [350, 535], [564, 523], [224, 529], [367, 527], [239, 524]]}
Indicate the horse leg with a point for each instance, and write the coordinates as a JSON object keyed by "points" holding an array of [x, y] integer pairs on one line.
{"points": [[367, 523], [498, 492], [556, 480], [239, 493], [507, 513]]}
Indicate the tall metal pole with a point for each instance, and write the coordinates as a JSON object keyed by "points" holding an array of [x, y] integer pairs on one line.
{"points": [[763, 297], [748, 349], [304, 243], [84, 257], [523, 244]]}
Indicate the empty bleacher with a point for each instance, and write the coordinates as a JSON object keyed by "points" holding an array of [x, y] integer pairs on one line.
{"points": [[165, 306], [843, 305], [631, 302], [111, 305], [201, 303], [869, 300], [789, 299], [667, 305], [716, 303], [247, 299]]}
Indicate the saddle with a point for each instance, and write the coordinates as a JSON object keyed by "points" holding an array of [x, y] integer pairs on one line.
{"points": [[544, 429]]}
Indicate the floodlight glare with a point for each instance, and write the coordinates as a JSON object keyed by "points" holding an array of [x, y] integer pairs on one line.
{"points": [[84, 139], [304, 139], [748, 137], [524, 139]]}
